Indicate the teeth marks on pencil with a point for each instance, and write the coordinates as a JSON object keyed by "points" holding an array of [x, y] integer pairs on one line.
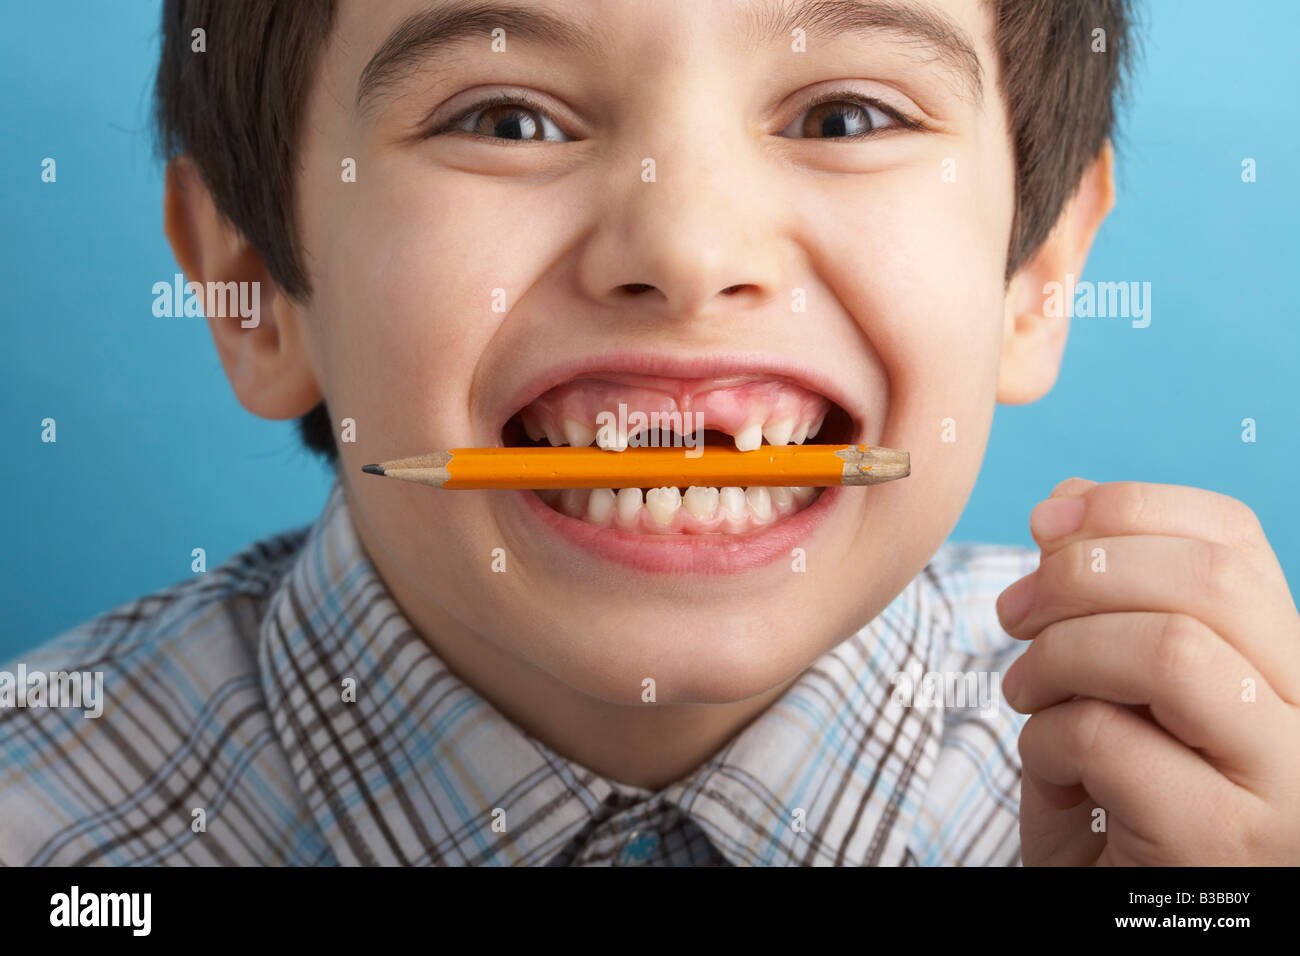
{"points": [[693, 510]]}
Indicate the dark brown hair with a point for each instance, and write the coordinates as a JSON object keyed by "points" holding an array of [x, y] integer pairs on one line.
{"points": [[235, 110]]}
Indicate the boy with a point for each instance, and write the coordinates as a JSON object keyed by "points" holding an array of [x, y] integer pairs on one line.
{"points": [[474, 225]]}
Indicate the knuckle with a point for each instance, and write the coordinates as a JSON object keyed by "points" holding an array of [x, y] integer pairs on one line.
{"points": [[1092, 725], [1184, 646], [1242, 526], [1238, 838], [1127, 502], [1218, 571]]}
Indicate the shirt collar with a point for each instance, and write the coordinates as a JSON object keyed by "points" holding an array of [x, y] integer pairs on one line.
{"points": [[403, 763]]}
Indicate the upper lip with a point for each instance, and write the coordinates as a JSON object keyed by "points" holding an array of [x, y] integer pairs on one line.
{"points": [[684, 367]]}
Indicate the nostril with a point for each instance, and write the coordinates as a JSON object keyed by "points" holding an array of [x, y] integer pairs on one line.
{"points": [[732, 289], [636, 288]]}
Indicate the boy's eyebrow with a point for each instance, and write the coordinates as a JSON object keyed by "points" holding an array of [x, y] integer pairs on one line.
{"points": [[423, 34], [918, 23]]}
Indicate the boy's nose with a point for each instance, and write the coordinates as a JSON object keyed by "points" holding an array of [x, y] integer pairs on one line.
{"points": [[690, 234]]}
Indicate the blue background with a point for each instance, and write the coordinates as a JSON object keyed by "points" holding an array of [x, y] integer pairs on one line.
{"points": [[155, 457]]}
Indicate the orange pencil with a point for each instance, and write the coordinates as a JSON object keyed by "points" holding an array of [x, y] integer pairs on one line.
{"points": [[593, 467]]}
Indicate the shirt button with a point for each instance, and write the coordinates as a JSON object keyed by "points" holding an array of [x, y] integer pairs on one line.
{"points": [[638, 848]]}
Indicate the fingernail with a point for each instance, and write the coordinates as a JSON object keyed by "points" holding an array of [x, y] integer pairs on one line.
{"points": [[1015, 601], [1011, 683], [1056, 517], [1077, 484]]}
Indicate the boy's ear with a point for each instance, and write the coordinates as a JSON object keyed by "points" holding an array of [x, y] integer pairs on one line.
{"points": [[268, 362], [1032, 343]]}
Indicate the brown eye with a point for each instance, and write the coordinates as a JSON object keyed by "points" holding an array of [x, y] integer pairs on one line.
{"points": [[506, 118], [508, 122], [839, 119]]}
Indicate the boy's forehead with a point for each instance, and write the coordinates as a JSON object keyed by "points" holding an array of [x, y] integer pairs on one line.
{"points": [[383, 42]]}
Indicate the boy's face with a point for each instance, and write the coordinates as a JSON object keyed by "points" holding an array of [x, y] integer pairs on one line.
{"points": [[771, 268]]}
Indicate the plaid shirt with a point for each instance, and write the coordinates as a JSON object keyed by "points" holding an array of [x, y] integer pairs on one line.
{"points": [[225, 739]]}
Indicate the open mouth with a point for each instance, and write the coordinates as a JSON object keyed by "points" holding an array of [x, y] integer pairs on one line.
{"points": [[621, 411]]}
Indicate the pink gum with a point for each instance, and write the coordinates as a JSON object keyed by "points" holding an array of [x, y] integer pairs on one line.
{"points": [[725, 407]]}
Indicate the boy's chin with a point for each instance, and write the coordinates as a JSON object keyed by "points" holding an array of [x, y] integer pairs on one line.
{"points": [[710, 658]]}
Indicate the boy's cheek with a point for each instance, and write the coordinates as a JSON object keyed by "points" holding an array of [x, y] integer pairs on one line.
{"points": [[402, 341]]}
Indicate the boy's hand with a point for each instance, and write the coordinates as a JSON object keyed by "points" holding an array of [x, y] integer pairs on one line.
{"points": [[1163, 680]]}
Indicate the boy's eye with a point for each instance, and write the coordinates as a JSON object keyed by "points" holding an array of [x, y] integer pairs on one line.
{"points": [[508, 118], [843, 119]]}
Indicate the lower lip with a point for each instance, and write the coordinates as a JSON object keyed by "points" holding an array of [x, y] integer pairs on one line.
{"points": [[686, 553]]}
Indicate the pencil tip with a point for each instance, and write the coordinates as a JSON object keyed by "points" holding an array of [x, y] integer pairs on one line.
{"points": [[373, 469]]}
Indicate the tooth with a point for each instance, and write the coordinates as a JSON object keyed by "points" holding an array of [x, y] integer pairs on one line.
{"points": [[733, 502], [812, 432], [701, 501], [782, 498], [800, 434], [552, 436], [663, 504], [778, 433], [600, 506], [534, 431], [803, 495], [760, 502], [629, 504], [607, 438], [577, 434], [749, 438], [573, 501]]}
